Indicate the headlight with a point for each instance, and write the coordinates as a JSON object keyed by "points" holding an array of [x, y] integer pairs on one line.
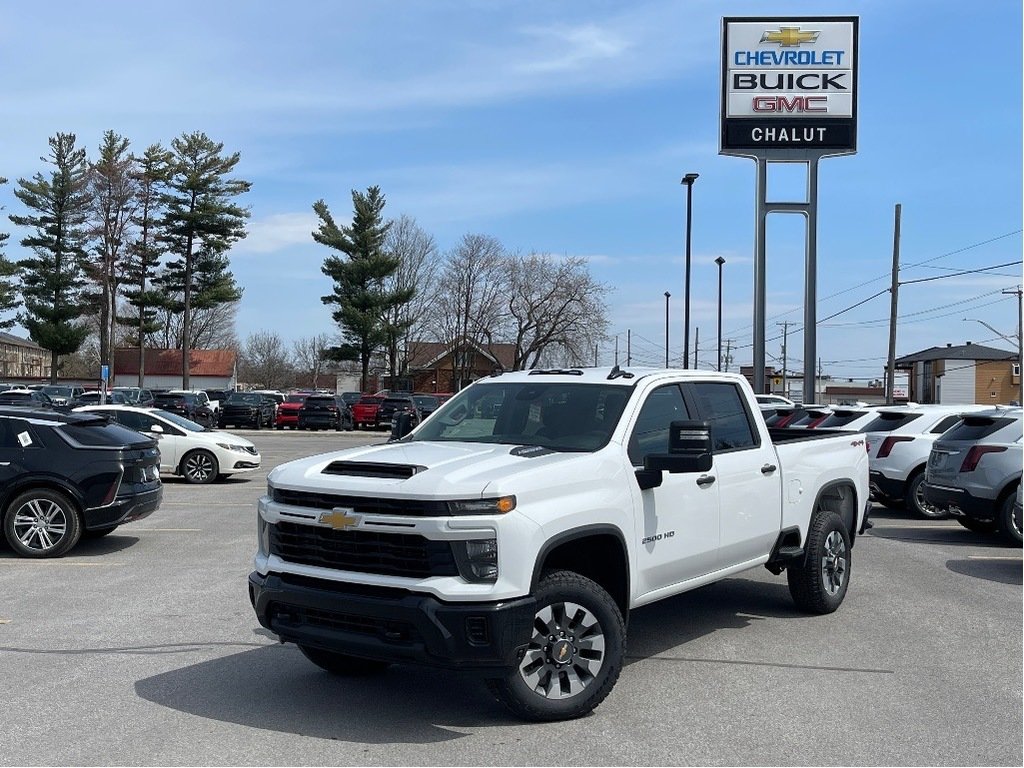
{"points": [[232, 447], [499, 506], [477, 559]]}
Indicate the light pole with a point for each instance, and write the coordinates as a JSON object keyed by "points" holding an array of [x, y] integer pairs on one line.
{"points": [[687, 180], [667, 296], [719, 261]]}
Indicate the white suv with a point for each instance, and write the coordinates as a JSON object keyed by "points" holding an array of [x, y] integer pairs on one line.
{"points": [[899, 440]]}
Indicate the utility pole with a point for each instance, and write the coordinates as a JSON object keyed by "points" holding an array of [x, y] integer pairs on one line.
{"points": [[785, 346], [894, 290], [728, 354], [1020, 352], [629, 346], [616, 349], [816, 394], [696, 345], [595, 355]]}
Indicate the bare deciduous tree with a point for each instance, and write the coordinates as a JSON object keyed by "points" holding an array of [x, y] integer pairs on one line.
{"points": [[212, 327], [310, 356], [265, 362], [418, 267]]}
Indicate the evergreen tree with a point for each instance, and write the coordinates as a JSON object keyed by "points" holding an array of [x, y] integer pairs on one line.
{"points": [[359, 274], [51, 279], [199, 225], [143, 257], [113, 188], [8, 271]]}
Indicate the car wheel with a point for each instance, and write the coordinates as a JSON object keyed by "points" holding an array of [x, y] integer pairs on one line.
{"points": [[280, 426], [1009, 520], [259, 421], [42, 523], [819, 581], [199, 467], [98, 534], [342, 664], [916, 502], [338, 426], [575, 653], [978, 526]]}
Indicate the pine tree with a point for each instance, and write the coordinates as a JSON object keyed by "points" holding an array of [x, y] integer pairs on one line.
{"points": [[113, 189], [152, 171], [199, 225], [8, 272], [360, 294], [52, 282]]}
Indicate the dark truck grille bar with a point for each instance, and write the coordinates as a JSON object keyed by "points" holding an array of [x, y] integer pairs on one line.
{"points": [[386, 554], [361, 504]]}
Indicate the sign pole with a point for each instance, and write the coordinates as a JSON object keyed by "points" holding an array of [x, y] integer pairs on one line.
{"points": [[760, 281], [811, 284]]}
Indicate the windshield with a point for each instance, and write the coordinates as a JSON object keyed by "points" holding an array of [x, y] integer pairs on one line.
{"points": [[296, 398], [58, 391], [237, 399], [182, 422], [562, 417]]}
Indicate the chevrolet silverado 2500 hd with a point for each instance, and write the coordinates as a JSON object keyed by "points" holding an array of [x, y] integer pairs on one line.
{"points": [[513, 531]]}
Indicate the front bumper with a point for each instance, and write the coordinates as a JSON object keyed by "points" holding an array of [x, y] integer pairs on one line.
{"points": [[960, 503], [125, 509], [392, 624]]}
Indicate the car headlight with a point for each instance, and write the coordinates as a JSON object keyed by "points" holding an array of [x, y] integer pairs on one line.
{"points": [[477, 559], [499, 505], [232, 447]]}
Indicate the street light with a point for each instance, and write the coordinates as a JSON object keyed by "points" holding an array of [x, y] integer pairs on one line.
{"points": [[667, 296], [719, 261], [687, 180]]}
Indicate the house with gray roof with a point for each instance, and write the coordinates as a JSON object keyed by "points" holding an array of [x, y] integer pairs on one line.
{"points": [[969, 373]]}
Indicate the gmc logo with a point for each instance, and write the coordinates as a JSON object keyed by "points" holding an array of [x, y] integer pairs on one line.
{"points": [[795, 104]]}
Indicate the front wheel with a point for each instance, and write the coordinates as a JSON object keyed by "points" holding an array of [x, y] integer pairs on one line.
{"points": [[42, 523], [1009, 520], [917, 503], [259, 422], [818, 583], [574, 655], [199, 467], [341, 663]]}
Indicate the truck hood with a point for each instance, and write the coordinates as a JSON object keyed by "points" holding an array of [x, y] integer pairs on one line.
{"points": [[421, 470]]}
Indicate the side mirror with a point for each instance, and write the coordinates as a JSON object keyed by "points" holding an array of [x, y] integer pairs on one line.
{"points": [[156, 429], [690, 449], [401, 425]]}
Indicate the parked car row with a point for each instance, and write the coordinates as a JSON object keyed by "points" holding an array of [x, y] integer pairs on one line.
{"points": [[937, 461]]}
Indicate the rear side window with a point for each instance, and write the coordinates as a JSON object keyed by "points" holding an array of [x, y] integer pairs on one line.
{"points": [[16, 434], [945, 424], [722, 405], [887, 422], [974, 428], [101, 434], [840, 418]]}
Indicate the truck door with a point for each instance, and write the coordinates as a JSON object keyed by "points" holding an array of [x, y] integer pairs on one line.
{"points": [[749, 480], [677, 522]]}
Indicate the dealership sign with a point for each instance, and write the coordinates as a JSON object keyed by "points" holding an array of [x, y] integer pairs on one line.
{"points": [[789, 84]]}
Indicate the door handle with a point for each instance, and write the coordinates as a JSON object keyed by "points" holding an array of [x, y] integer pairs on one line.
{"points": [[767, 469], [705, 480], [5, 463]]}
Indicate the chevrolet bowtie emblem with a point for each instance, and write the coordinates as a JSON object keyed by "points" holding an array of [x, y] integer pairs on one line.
{"points": [[562, 652], [789, 36], [339, 520]]}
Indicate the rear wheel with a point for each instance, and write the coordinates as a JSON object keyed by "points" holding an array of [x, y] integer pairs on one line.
{"points": [[575, 652], [916, 502], [199, 467], [1009, 520], [259, 421], [818, 583], [343, 664], [42, 523]]}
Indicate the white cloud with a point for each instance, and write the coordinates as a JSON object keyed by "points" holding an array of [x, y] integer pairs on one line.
{"points": [[278, 232]]}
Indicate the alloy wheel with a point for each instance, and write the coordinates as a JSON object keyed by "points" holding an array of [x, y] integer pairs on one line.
{"points": [[40, 524], [199, 468], [833, 563], [565, 653]]}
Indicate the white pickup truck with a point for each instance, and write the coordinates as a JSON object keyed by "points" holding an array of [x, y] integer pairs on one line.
{"points": [[512, 532]]}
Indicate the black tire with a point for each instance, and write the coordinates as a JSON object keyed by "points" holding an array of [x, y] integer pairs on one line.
{"points": [[259, 421], [818, 583], [543, 688], [98, 534], [916, 503], [978, 526], [1009, 521], [199, 467], [342, 664], [280, 426], [42, 523]]}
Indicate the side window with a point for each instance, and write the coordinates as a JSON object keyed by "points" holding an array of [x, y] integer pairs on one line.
{"points": [[722, 405], [945, 424], [650, 433], [17, 434]]}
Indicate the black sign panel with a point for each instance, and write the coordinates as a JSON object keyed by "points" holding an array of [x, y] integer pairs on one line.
{"points": [[793, 133]]}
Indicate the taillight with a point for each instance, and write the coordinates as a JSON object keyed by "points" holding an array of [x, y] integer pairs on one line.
{"points": [[974, 456], [888, 443], [817, 421]]}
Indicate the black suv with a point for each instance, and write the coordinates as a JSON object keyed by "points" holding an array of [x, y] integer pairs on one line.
{"points": [[68, 475], [247, 409], [392, 406], [185, 404], [325, 412]]}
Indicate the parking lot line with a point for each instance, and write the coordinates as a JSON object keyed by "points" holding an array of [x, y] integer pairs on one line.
{"points": [[991, 557], [867, 670], [167, 530], [56, 561]]}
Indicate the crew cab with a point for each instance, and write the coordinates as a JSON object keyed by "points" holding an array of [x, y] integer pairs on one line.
{"points": [[514, 530]]}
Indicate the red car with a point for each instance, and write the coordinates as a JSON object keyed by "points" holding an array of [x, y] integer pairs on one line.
{"points": [[288, 411], [364, 413]]}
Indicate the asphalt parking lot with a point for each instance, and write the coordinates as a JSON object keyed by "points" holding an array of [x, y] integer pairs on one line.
{"points": [[141, 648]]}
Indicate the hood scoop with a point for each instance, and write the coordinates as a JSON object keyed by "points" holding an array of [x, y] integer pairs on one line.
{"points": [[372, 469], [530, 451]]}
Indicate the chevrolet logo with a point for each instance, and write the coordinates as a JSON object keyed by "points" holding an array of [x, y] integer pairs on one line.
{"points": [[339, 519], [789, 36]]}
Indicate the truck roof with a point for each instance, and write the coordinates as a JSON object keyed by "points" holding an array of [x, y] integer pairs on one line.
{"points": [[614, 375]]}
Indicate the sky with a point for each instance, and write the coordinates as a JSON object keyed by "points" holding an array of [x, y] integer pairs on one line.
{"points": [[564, 128]]}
